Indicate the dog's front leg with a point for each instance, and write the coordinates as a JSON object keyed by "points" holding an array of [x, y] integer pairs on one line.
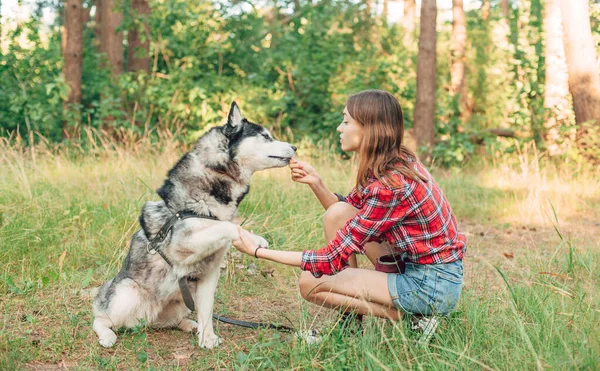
{"points": [[205, 299]]}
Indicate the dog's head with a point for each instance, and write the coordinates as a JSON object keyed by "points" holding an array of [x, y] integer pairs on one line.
{"points": [[253, 146]]}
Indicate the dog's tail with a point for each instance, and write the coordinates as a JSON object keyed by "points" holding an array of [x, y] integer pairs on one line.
{"points": [[154, 215]]}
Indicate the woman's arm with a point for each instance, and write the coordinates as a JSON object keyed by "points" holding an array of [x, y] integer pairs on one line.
{"points": [[246, 245], [306, 174]]}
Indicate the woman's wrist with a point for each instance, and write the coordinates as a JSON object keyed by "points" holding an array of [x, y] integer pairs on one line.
{"points": [[317, 184], [256, 251]]}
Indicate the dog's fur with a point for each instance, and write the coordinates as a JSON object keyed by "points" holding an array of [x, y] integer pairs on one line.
{"points": [[212, 179]]}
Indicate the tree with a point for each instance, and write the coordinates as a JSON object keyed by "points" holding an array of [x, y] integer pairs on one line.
{"points": [[584, 81], [505, 8], [424, 123], [556, 93], [138, 47], [73, 56], [108, 18], [385, 12], [485, 9], [410, 14], [457, 47]]}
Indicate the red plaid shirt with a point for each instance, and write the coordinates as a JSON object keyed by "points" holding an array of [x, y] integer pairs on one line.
{"points": [[415, 218]]}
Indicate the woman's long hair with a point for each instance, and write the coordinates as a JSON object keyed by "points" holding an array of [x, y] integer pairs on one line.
{"points": [[381, 150]]}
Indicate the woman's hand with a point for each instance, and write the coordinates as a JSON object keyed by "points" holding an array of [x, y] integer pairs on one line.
{"points": [[249, 242], [303, 172]]}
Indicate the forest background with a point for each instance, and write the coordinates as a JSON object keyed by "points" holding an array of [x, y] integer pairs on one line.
{"points": [[132, 68], [99, 98]]}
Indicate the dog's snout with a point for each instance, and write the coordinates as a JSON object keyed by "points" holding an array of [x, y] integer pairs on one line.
{"points": [[294, 148]]}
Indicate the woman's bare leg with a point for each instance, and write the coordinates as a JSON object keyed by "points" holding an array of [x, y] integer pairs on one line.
{"points": [[363, 291]]}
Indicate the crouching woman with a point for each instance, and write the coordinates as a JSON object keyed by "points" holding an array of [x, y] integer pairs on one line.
{"points": [[396, 212]]}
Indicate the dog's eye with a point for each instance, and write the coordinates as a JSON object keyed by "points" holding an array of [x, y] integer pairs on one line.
{"points": [[266, 136]]}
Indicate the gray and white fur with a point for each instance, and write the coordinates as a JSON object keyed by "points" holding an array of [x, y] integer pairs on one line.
{"points": [[212, 179]]}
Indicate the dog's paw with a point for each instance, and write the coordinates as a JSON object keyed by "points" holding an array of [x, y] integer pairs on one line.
{"points": [[187, 325], [209, 341], [108, 339], [259, 241]]}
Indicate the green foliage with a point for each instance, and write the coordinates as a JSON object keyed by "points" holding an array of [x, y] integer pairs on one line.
{"points": [[290, 68]]}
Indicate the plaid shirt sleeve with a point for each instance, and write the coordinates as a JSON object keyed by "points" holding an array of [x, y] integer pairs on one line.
{"points": [[353, 198], [382, 209]]}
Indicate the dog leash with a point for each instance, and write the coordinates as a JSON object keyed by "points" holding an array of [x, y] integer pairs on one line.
{"points": [[155, 246], [253, 325]]}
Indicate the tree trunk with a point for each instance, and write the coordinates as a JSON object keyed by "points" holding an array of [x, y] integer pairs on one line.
{"points": [[410, 14], [584, 81], [73, 58], [138, 48], [556, 95], [385, 12], [485, 9], [109, 17], [505, 7], [424, 121], [458, 40]]}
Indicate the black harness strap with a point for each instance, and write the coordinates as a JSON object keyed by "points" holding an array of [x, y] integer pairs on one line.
{"points": [[155, 246]]}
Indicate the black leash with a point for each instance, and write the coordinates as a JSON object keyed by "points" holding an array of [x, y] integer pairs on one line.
{"points": [[155, 246], [254, 325]]}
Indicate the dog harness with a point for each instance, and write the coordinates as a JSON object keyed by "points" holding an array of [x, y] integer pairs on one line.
{"points": [[155, 246]]}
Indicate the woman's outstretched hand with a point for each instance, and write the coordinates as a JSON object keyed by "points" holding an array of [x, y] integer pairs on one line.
{"points": [[249, 242], [303, 173]]}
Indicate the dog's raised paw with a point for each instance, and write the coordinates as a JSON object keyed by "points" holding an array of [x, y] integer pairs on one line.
{"points": [[259, 241], [210, 341], [108, 340]]}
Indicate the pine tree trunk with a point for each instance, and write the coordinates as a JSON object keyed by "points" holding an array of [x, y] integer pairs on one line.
{"points": [[556, 95], [385, 12], [424, 121], [505, 7], [138, 51], [73, 58], [410, 14], [109, 17], [485, 9], [458, 41], [584, 80]]}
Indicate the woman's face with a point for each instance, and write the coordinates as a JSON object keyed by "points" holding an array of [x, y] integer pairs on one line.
{"points": [[351, 133]]}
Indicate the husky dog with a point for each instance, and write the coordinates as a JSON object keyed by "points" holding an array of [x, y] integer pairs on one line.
{"points": [[209, 181]]}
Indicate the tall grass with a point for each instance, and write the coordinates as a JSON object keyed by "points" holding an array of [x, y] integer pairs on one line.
{"points": [[532, 269]]}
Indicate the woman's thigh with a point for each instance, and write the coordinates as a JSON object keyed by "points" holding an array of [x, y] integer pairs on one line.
{"points": [[352, 282]]}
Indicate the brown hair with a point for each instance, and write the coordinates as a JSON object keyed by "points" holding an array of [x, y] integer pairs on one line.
{"points": [[381, 150]]}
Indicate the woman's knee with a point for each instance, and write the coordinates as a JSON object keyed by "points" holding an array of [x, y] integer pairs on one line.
{"points": [[338, 214], [307, 284]]}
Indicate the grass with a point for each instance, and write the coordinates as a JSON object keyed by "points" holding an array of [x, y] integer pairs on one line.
{"points": [[531, 296]]}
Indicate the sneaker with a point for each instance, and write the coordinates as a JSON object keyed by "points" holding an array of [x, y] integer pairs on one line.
{"points": [[310, 336], [348, 321], [426, 326]]}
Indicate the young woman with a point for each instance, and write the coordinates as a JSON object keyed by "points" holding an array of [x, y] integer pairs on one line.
{"points": [[395, 208]]}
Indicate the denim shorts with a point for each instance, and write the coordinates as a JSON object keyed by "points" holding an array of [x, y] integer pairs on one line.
{"points": [[427, 289]]}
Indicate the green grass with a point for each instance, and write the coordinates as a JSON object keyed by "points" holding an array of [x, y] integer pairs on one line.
{"points": [[531, 296]]}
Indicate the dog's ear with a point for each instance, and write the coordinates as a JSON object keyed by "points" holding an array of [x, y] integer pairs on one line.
{"points": [[234, 120]]}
